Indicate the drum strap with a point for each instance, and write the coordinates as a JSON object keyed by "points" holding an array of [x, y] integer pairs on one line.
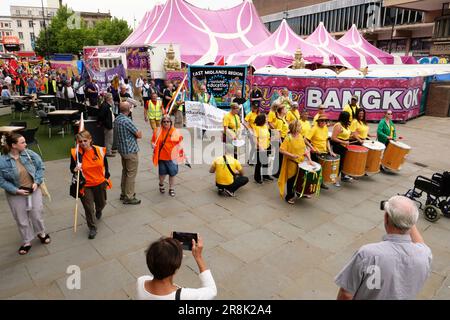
{"points": [[228, 166]]}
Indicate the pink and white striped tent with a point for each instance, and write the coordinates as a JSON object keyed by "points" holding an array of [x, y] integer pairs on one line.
{"points": [[339, 53], [204, 36], [146, 22], [278, 50]]}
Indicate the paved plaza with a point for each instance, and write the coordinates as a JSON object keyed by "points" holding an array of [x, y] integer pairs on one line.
{"points": [[256, 245]]}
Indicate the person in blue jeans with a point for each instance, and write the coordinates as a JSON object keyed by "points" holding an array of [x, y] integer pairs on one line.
{"points": [[32, 85]]}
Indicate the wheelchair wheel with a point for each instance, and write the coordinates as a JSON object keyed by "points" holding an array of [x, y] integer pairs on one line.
{"points": [[431, 213], [445, 208]]}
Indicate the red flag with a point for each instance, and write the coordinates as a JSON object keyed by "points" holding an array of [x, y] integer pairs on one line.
{"points": [[221, 61]]}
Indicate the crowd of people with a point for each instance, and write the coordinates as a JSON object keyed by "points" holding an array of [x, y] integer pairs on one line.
{"points": [[284, 132]]}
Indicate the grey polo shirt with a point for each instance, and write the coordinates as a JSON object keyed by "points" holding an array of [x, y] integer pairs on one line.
{"points": [[395, 268]]}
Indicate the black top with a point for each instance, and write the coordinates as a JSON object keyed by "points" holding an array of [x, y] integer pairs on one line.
{"points": [[256, 94], [239, 100], [104, 116]]}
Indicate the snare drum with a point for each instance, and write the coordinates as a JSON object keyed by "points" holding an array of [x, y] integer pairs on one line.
{"points": [[355, 161], [309, 179], [330, 167], [374, 156], [395, 155]]}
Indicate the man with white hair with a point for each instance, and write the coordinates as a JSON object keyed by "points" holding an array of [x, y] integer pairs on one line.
{"points": [[394, 269]]}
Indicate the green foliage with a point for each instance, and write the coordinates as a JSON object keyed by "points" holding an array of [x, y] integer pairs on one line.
{"points": [[60, 37]]}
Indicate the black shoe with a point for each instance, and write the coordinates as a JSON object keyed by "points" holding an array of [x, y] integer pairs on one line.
{"points": [[259, 181], [92, 233], [132, 201], [123, 197], [98, 215], [324, 187], [269, 178], [276, 176], [220, 192]]}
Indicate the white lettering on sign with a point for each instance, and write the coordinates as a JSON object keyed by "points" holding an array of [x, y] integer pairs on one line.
{"points": [[314, 98]]}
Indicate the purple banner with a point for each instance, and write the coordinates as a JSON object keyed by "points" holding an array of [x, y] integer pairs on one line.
{"points": [[103, 78], [401, 95]]}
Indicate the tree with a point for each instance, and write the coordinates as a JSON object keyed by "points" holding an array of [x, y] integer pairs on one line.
{"points": [[66, 35], [112, 32]]}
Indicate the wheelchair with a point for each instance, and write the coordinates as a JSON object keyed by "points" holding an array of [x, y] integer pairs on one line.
{"points": [[437, 191]]}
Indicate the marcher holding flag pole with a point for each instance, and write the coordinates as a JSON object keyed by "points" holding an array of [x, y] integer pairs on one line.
{"points": [[93, 181]]}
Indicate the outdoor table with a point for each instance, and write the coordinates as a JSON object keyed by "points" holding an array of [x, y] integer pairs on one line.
{"points": [[8, 129], [46, 97], [63, 112]]}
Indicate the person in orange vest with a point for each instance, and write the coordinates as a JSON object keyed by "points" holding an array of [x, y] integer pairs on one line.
{"points": [[167, 153], [93, 164]]}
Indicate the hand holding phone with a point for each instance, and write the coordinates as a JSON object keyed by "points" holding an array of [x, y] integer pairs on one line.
{"points": [[185, 238]]}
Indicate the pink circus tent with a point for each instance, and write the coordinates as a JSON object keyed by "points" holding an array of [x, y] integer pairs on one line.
{"points": [[339, 53], [204, 35], [146, 22], [278, 50]]}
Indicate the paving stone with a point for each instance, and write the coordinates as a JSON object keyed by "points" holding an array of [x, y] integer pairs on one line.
{"points": [[313, 285], [48, 292], [14, 280], [330, 236], [197, 199], [259, 215], [130, 219], [355, 224], [9, 254], [253, 245], [308, 220], [230, 227], [443, 292], [181, 222], [135, 262], [169, 208], [125, 241], [284, 229], [432, 285], [46, 269], [103, 281], [211, 212]]}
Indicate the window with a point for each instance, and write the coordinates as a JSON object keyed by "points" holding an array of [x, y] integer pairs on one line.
{"points": [[30, 13], [1, 24], [22, 47], [41, 13], [32, 36], [41, 23], [8, 33], [19, 23], [31, 24], [18, 12], [21, 35]]}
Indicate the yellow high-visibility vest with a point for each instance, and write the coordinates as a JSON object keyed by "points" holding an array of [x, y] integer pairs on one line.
{"points": [[154, 112]]}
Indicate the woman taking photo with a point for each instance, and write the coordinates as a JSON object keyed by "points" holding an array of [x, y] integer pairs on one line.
{"points": [[294, 151], [93, 164], [340, 139], [21, 174], [164, 259]]}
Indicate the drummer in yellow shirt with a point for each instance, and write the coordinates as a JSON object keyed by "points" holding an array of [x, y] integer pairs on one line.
{"points": [[231, 125], [306, 126], [272, 116], [318, 142], [294, 150], [352, 108], [250, 125], [293, 113], [282, 129], [262, 143], [360, 128], [321, 111]]}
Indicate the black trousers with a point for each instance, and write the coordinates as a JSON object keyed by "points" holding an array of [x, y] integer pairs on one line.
{"points": [[341, 151], [239, 181], [262, 164], [278, 159], [290, 191]]}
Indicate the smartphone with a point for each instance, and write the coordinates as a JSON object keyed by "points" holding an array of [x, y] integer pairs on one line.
{"points": [[382, 204], [185, 238], [30, 190]]}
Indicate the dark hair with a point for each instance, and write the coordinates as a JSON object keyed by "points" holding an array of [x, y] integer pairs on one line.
{"points": [[164, 257], [125, 81], [4, 87], [344, 119], [260, 119], [364, 115], [9, 140]]}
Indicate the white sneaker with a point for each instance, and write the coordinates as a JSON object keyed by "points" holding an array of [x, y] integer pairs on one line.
{"points": [[337, 184]]}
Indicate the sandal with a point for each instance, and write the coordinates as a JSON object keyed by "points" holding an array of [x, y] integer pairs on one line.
{"points": [[291, 201], [46, 239], [23, 250], [172, 192], [161, 188]]}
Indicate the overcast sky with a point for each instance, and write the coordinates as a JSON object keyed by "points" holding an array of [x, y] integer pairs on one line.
{"points": [[125, 9]]}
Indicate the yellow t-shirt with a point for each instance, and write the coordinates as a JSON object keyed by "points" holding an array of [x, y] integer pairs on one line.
{"points": [[294, 145], [232, 122], [306, 126], [262, 134], [282, 126], [315, 118], [292, 115], [223, 174], [345, 133], [363, 129], [250, 119], [350, 110], [271, 117], [318, 137]]}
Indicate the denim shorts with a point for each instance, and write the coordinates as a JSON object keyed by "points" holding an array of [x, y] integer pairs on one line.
{"points": [[168, 167]]}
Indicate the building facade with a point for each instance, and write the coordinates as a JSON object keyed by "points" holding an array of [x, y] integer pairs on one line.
{"points": [[27, 22], [5, 30], [400, 31]]}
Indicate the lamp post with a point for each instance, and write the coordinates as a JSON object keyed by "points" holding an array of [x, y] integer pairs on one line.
{"points": [[45, 29]]}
